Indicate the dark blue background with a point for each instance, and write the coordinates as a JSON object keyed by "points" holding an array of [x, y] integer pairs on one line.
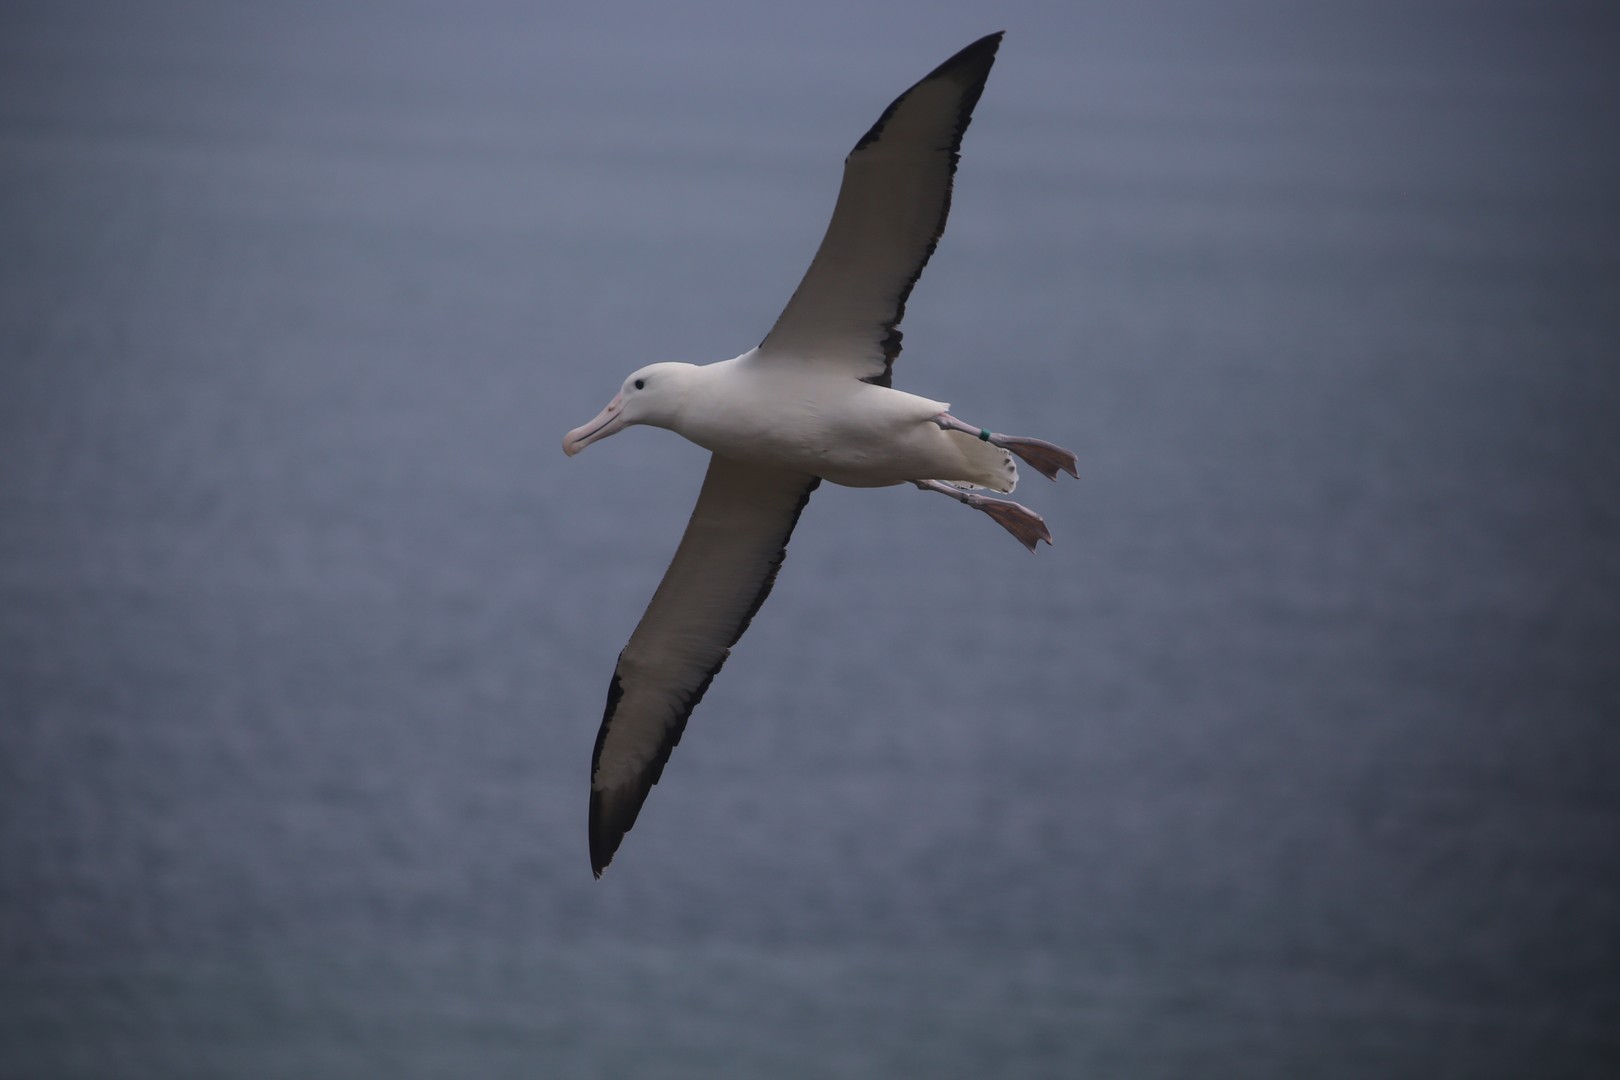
{"points": [[1296, 756]]}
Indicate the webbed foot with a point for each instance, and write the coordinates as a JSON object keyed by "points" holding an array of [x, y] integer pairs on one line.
{"points": [[1044, 457], [1027, 527]]}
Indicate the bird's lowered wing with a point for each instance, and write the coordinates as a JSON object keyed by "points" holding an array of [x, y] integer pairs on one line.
{"points": [[890, 213], [722, 572]]}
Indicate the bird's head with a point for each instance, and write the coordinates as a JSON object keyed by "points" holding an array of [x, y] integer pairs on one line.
{"points": [[652, 395]]}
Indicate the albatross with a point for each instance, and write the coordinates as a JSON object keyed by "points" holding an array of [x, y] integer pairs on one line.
{"points": [[813, 401]]}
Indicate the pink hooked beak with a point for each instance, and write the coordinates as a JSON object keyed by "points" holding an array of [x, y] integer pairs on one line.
{"points": [[607, 421]]}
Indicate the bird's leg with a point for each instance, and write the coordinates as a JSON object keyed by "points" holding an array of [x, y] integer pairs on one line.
{"points": [[1021, 521], [1043, 456]]}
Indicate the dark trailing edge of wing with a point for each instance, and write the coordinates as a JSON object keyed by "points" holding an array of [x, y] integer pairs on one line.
{"points": [[977, 57], [613, 812]]}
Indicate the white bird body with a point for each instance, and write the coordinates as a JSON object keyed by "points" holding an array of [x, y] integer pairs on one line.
{"points": [[811, 402], [813, 419]]}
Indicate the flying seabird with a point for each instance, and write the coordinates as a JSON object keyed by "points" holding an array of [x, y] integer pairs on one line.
{"points": [[811, 402]]}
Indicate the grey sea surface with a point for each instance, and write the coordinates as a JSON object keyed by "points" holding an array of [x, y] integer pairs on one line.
{"points": [[1296, 756]]}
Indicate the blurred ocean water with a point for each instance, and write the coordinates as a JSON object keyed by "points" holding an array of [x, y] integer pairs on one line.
{"points": [[1295, 756]]}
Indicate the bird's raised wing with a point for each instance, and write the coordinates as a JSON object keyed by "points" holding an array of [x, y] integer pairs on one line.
{"points": [[890, 213], [722, 572]]}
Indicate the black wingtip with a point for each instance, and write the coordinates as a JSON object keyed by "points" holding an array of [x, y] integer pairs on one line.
{"points": [[602, 846], [612, 815], [981, 55], [609, 824], [981, 52], [989, 43]]}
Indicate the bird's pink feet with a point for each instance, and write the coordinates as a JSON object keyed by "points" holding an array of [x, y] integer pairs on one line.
{"points": [[1044, 457], [1028, 527]]}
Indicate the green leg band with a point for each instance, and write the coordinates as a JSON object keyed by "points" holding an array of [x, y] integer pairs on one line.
{"points": [[984, 434]]}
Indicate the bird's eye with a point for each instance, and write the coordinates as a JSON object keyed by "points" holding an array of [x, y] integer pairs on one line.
{"points": [[640, 383]]}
